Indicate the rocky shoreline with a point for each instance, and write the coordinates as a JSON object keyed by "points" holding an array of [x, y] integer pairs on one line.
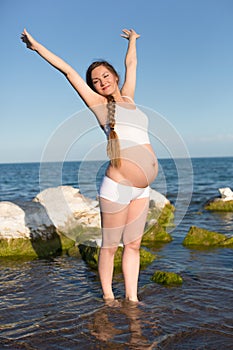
{"points": [[60, 213], [62, 220]]}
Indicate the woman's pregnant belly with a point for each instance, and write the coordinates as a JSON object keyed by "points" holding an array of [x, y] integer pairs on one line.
{"points": [[139, 166]]}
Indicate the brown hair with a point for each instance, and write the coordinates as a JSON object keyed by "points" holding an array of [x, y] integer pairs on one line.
{"points": [[113, 147]]}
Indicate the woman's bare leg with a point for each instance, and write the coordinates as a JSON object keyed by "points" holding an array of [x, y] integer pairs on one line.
{"points": [[136, 219], [113, 219], [106, 266], [130, 267]]}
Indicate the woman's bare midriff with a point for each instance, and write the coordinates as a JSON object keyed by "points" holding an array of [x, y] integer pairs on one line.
{"points": [[139, 166]]}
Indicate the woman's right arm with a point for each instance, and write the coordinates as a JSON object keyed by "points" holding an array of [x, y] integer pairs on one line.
{"points": [[90, 97]]}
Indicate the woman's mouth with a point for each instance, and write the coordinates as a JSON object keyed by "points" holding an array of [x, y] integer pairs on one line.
{"points": [[105, 87]]}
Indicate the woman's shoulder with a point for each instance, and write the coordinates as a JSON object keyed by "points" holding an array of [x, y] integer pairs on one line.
{"points": [[128, 99]]}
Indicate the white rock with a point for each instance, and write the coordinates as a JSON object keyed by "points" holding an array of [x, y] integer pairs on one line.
{"points": [[226, 194], [38, 221], [12, 221], [67, 208], [26, 220]]}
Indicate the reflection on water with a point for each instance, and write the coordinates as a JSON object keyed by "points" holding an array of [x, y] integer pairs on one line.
{"points": [[123, 322]]}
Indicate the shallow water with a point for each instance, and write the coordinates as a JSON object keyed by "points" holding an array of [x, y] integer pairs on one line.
{"points": [[56, 303]]}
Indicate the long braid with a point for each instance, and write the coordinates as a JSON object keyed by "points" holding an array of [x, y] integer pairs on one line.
{"points": [[113, 147]]}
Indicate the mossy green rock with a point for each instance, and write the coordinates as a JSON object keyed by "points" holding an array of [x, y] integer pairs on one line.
{"points": [[81, 234], [166, 278], [156, 234], [219, 205], [34, 247], [164, 217], [199, 237], [90, 254], [167, 215], [17, 247]]}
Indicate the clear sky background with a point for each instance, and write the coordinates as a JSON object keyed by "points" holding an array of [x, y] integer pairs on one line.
{"points": [[185, 68]]}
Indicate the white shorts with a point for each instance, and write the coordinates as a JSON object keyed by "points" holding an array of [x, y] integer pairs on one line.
{"points": [[119, 193]]}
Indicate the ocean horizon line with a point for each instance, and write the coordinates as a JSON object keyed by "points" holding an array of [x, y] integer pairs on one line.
{"points": [[106, 160]]}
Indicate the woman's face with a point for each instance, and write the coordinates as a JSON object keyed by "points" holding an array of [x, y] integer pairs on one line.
{"points": [[104, 81]]}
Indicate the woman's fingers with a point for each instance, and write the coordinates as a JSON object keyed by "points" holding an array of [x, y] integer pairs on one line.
{"points": [[128, 33]]}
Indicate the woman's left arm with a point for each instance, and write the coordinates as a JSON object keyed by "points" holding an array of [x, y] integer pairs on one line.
{"points": [[129, 85]]}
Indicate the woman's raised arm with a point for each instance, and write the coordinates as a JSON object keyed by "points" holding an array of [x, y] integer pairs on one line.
{"points": [[129, 85], [90, 97]]}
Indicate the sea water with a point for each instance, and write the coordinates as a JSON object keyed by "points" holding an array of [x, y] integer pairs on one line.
{"points": [[56, 303]]}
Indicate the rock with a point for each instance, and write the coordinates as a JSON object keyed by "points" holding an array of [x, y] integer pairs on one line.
{"points": [[73, 252], [166, 278], [226, 194], [198, 237], [157, 199], [157, 221], [146, 258], [163, 216], [67, 208], [37, 221], [12, 223], [62, 208], [90, 253], [80, 233], [224, 203], [26, 230], [55, 220], [166, 216], [34, 247], [154, 235], [220, 205]]}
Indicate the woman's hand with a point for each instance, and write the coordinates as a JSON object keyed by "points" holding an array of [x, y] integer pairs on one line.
{"points": [[130, 34], [28, 40]]}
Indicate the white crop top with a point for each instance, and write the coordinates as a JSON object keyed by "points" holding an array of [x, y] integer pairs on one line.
{"points": [[131, 126]]}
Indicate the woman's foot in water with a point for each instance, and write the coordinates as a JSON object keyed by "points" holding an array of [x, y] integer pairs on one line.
{"points": [[111, 301]]}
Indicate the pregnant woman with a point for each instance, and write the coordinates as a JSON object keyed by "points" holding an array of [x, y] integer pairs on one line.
{"points": [[124, 192]]}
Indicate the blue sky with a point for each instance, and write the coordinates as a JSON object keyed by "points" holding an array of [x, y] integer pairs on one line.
{"points": [[185, 70]]}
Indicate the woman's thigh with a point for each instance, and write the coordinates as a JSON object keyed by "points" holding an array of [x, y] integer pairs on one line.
{"points": [[121, 221], [136, 219], [113, 221]]}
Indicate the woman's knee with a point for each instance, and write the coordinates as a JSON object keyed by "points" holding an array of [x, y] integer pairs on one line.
{"points": [[110, 251], [135, 245]]}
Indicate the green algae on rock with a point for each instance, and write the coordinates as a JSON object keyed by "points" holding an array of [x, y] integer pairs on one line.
{"points": [[80, 234], [34, 248], [167, 215], [90, 254], [155, 234], [163, 216], [220, 205], [17, 247], [199, 237], [166, 278]]}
